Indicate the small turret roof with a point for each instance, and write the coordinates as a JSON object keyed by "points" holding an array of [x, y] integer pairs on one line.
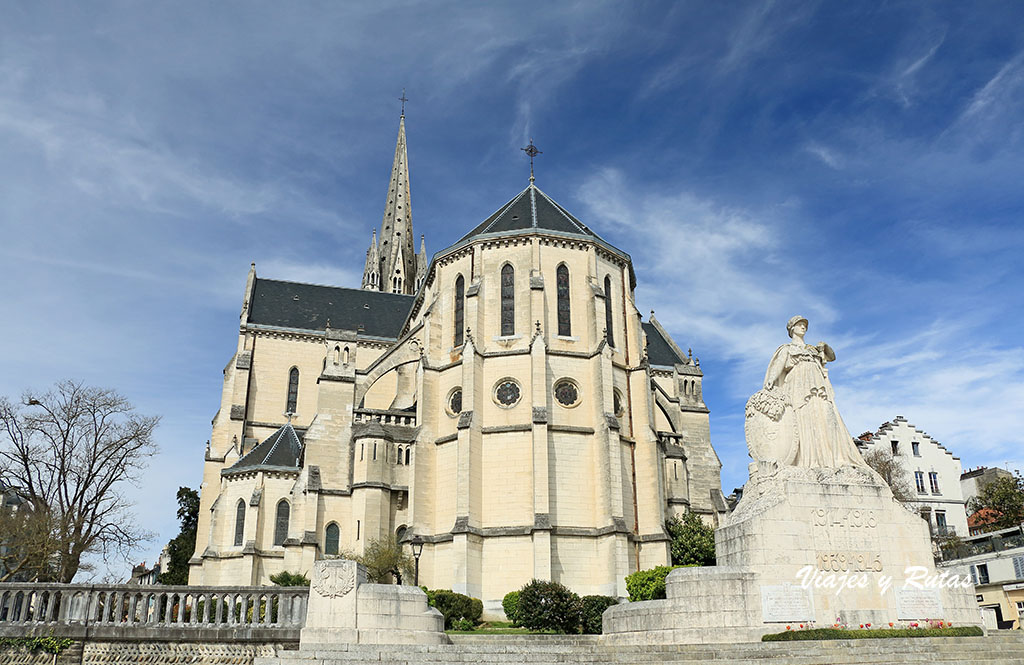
{"points": [[531, 209], [281, 450]]}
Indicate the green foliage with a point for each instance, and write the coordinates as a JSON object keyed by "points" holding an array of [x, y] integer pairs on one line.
{"points": [[510, 603], [648, 584], [463, 625], [1005, 498], [592, 609], [453, 606], [693, 541], [49, 644], [285, 578], [548, 606], [183, 546], [476, 610], [386, 561], [847, 634]]}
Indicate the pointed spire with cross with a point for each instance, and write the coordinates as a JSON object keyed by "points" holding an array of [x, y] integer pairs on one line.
{"points": [[532, 151], [403, 99]]}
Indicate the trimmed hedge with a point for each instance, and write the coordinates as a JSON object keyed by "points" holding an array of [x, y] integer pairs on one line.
{"points": [[648, 584], [454, 606], [847, 634], [549, 606], [592, 609], [510, 603], [476, 610]]}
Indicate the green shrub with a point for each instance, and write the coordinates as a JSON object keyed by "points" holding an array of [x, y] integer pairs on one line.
{"points": [[648, 584], [49, 644], [510, 604], [592, 609], [693, 541], [452, 605], [548, 606], [847, 634], [476, 610], [285, 578], [463, 625]]}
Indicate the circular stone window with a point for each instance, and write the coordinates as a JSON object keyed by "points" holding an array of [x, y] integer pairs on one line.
{"points": [[567, 393], [455, 402], [617, 404], [507, 393]]}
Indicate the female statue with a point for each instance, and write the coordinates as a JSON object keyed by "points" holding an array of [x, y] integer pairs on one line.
{"points": [[794, 419]]}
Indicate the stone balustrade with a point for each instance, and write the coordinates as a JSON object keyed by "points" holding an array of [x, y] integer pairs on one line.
{"points": [[384, 417], [182, 613]]}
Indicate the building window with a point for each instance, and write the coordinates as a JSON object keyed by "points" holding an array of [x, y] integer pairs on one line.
{"points": [[933, 480], [916, 448], [293, 390], [508, 300], [359, 528], [609, 337], [940, 522], [895, 447], [455, 402], [331, 538], [460, 310], [567, 393], [281, 523], [562, 284], [982, 573], [617, 403], [974, 578], [408, 451], [919, 480], [239, 522], [400, 533], [1018, 567], [507, 393]]}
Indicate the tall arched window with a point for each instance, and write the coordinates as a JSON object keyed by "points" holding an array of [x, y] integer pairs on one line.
{"points": [[331, 538], [508, 300], [281, 523], [407, 450], [239, 522], [608, 311], [460, 310], [293, 390], [562, 284]]}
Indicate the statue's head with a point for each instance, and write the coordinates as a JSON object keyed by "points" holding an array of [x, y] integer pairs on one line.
{"points": [[794, 322]]}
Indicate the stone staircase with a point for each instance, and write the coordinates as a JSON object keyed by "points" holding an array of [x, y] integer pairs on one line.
{"points": [[996, 649]]}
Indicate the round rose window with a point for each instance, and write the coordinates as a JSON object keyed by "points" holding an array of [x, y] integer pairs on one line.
{"points": [[507, 393], [455, 402], [567, 393]]}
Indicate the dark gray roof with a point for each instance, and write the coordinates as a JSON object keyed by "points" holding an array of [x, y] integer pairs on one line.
{"points": [[282, 449], [530, 209], [310, 306], [659, 351]]}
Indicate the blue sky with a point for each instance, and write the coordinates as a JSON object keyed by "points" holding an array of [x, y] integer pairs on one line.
{"points": [[859, 163]]}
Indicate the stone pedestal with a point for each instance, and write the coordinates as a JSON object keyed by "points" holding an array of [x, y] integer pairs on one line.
{"points": [[839, 529], [343, 608]]}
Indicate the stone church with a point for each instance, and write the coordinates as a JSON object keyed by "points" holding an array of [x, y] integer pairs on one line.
{"points": [[503, 401]]}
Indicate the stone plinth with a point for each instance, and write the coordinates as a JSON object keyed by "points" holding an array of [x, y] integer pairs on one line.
{"points": [[343, 608], [839, 524]]}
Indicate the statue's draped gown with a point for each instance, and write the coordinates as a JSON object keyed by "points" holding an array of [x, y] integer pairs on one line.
{"points": [[822, 438]]}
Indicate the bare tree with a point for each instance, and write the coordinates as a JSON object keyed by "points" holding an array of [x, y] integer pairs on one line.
{"points": [[891, 468], [71, 453]]}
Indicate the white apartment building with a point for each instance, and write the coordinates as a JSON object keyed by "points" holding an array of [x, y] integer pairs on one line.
{"points": [[932, 471]]}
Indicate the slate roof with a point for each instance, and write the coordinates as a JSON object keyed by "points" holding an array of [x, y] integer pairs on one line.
{"points": [[282, 449], [659, 351], [530, 209], [310, 306]]}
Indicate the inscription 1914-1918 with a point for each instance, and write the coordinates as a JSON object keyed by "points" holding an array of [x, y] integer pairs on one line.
{"points": [[844, 518]]}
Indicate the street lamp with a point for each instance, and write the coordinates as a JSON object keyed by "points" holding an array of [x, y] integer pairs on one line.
{"points": [[417, 550]]}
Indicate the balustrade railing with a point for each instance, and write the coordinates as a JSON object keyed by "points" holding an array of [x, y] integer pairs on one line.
{"points": [[130, 606], [407, 418]]}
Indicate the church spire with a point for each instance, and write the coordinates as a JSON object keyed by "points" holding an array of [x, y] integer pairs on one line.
{"points": [[371, 273], [397, 254]]}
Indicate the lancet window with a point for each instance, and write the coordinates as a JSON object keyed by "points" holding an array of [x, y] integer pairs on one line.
{"points": [[460, 310], [293, 390], [281, 522], [608, 311], [239, 522], [508, 300], [562, 284]]}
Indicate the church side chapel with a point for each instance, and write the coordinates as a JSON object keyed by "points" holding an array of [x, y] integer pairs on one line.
{"points": [[505, 403]]}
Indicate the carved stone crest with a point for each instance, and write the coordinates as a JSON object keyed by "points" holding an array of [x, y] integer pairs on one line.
{"points": [[332, 580]]}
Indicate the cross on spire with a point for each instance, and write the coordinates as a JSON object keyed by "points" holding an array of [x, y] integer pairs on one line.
{"points": [[403, 99], [532, 151]]}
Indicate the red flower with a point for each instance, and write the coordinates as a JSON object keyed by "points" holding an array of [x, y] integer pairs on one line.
{"points": [[890, 624], [789, 627]]}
